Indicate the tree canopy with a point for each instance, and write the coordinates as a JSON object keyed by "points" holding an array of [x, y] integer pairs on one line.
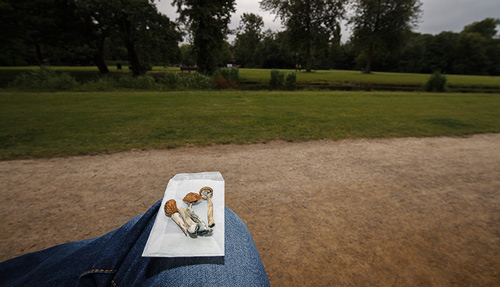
{"points": [[207, 21], [248, 36], [486, 28], [135, 34], [78, 31], [382, 25], [308, 21]]}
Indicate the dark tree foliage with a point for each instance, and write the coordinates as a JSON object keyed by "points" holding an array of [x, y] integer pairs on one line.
{"points": [[207, 21], [273, 51], [486, 28], [187, 56], [35, 31], [146, 34], [248, 37], [380, 26], [307, 22], [472, 51], [74, 31]]}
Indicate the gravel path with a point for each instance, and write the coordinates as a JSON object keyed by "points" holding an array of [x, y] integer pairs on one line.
{"points": [[378, 212]]}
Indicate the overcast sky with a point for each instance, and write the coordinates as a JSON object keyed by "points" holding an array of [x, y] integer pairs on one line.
{"points": [[437, 16]]}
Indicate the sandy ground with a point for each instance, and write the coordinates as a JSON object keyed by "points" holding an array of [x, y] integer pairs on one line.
{"points": [[382, 212]]}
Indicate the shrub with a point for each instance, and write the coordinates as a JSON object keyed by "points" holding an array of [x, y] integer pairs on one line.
{"points": [[277, 79], [44, 79], [291, 81], [226, 78], [195, 81], [143, 82], [167, 81], [101, 84], [220, 82], [436, 83]]}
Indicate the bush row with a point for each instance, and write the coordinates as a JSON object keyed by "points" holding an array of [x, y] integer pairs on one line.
{"points": [[46, 79], [49, 80], [281, 82], [436, 83]]}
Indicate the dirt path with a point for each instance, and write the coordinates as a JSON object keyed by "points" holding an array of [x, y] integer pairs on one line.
{"points": [[388, 212]]}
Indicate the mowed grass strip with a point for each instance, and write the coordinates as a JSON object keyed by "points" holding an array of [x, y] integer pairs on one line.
{"points": [[262, 76], [36, 125], [383, 78]]}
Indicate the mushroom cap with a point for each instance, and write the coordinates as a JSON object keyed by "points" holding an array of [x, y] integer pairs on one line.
{"points": [[192, 197], [206, 191], [171, 207]]}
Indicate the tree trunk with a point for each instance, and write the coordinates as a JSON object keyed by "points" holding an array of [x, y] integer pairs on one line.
{"points": [[368, 68], [308, 56], [132, 54], [39, 55], [133, 58], [99, 56], [100, 63], [309, 36]]}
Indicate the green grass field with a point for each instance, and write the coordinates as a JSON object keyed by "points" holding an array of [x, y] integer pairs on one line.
{"points": [[262, 76], [339, 76], [63, 124]]}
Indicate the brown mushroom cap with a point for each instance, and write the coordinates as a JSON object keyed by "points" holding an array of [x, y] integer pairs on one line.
{"points": [[171, 207], [204, 191], [192, 197]]}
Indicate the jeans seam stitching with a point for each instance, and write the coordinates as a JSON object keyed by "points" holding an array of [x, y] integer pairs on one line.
{"points": [[97, 270], [113, 282]]}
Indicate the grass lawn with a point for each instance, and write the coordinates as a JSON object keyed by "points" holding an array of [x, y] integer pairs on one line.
{"points": [[340, 76], [63, 124], [262, 76]]}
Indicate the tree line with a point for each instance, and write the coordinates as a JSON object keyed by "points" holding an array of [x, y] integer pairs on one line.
{"points": [[474, 51], [100, 33]]}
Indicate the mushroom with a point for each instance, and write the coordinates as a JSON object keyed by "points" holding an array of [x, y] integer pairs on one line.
{"points": [[200, 227], [191, 198], [172, 211], [207, 193], [192, 227], [185, 216]]}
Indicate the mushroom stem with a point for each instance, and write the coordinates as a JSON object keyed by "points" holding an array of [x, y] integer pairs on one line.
{"points": [[185, 216], [189, 207], [201, 227], [191, 225], [177, 219], [210, 212], [172, 211], [207, 193]]}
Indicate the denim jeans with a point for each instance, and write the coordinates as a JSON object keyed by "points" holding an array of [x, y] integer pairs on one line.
{"points": [[114, 259]]}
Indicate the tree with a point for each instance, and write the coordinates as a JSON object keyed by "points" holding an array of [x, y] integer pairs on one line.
{"points": [[486, 27], [273, 51], [33, 30], [248, 39], [208, 23], [440, 52], [226, 55], [472, 59], [187, 56], [97, 28], [382, 25], [307, 21], [145, 33]]}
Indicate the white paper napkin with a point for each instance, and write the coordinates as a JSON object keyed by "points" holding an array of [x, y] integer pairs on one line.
{"points": [[167, 239]]}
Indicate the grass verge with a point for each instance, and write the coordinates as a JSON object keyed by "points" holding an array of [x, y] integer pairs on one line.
{"points": [[261, 77], [34, 125], [340, 76]]}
